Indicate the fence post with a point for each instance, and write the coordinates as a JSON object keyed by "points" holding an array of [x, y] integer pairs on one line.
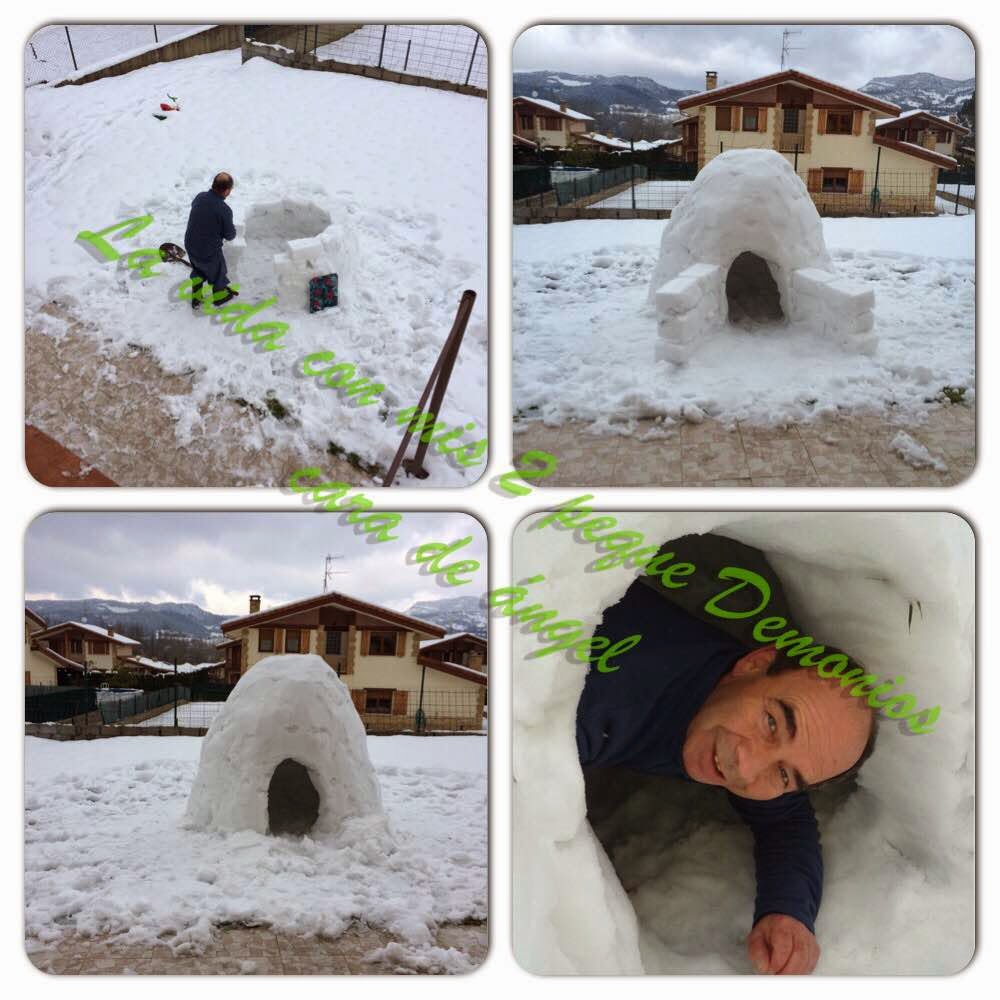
{"points": [[958, 194], [631, 143], [876, 195], [381, 48], [475, 46], [406, 60], [156, 37], [796, 157], [420, 705], [175, 692], [70, 42]]}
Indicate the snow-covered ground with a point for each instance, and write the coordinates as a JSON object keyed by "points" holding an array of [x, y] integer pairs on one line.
{"points": [[194, 713], [47, 53], [648, 194], [438, 51], [408, 210], [105, 853], [662, 879], [584, 337]]}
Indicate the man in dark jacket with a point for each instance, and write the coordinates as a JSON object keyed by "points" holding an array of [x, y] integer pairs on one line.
{"points": [[699, 699], [210, 222]]}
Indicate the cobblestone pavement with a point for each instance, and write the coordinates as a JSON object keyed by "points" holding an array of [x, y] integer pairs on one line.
{"points": [[250, 951], [846, 451]]}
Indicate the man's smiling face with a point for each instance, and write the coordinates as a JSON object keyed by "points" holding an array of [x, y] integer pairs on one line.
{"points": [[761, 735]]}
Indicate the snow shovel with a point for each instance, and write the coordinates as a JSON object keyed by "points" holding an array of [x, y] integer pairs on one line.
{"points": [[172, 252]]}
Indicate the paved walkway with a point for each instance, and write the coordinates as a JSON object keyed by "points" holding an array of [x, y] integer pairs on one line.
{"points": [[251, 951], [847, 451]]}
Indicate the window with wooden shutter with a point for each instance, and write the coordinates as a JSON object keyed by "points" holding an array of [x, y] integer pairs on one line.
{"points": [[835, 179], [737, 116], [821, 122], [839, 122], [723, 119], [399, 699], [265, 640], [365, 641], [382, 643], [401, 644], [762, 119], [815, 180], [279, 640], [378, 701], [751, 116], [334, 641], [293, 640], [856, 123], [855, 181], [358, 697], [791, 120]]}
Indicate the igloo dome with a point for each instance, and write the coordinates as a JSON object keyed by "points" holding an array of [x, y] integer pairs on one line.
{"points": [[286, 754], [745, 246]]}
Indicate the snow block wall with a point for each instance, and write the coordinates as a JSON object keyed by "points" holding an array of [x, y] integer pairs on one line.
{"points": [[750, 201], [286, 708], [663, 880]]}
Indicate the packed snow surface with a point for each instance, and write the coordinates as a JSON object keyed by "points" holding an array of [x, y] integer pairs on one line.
{"points": [[106, 852], [583, 332], [194, 714], [402, 214], [288, 707], [662, 879]]}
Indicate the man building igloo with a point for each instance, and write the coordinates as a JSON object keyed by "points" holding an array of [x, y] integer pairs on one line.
{"points": [[286, 754], [745, 246]]}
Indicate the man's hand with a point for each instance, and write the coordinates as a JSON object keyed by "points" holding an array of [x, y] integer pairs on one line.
{"points": [[780, 945]]}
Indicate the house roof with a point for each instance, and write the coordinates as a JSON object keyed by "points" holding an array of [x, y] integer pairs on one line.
{"points": [[340, 600], [59, 660], [454, 669], [578, 116], [95, 630], [686, 118], [606, 140], [36, 618], [787, 76], [920, 152], [519, 140], [886, 122], [451, 637], [148, 664]]}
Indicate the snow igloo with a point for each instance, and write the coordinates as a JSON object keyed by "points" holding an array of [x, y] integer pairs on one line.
{"points": [[286, 755], [280, 245], [620, 873], [745, 247]]}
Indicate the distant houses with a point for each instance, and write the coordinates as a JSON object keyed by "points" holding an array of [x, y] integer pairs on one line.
{"points": [[57, 654]]}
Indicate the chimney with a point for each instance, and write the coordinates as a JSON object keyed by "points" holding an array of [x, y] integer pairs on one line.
{"points": [[254, 603], [711, 79], [953, 119], [111, 631], [929, 140], [562, 107]]}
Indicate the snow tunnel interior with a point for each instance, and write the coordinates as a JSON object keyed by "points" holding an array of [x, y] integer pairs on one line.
{"points": [[269, 227], [751, 292], [292, 800]]}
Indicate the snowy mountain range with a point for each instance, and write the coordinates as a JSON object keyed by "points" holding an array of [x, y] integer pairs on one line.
{"points": [[145, 617], [609, 99], [922, 90], [456, 614]]}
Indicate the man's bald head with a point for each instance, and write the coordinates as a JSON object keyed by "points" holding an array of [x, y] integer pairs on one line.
{"points": [[764, 731], [222, 183]]}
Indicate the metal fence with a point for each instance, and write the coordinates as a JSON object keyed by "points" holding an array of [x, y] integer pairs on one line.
{"points": [[530, 180], [54, 704], [384, 711], [450, 52], [57, 50], [579, 185]]}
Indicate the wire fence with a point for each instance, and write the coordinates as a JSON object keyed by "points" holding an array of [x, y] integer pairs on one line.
{"points": [[57, 50], [451, 52], [382, 710]]}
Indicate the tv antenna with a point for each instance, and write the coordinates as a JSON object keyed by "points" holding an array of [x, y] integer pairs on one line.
{"points": [[329, 571], [786, 48]]}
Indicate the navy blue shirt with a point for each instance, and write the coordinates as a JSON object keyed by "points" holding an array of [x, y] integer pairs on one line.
{"points": [[637, 717], [210, 222]]}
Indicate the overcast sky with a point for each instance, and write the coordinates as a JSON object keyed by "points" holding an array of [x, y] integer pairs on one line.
{"points": [[216, 560], [679, 55]]}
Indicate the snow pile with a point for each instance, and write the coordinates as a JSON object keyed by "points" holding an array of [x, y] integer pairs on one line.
{"points": [[288, 708], [581, 325], [746, 244], [660, 876], [400, 216], [106, 852], [914, 453]]}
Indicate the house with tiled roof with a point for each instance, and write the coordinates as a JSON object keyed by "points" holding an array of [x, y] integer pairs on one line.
{"points": [[830, 133], [921, 128], [81, 647], [547, 124], [376, 651]]}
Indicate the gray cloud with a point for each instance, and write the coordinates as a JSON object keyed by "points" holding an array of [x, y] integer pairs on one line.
{"points": [[678, 55], [216, 559]]}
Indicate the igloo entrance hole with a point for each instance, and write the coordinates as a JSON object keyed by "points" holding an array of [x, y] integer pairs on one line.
{"points": [[292, 800], [752, 292], [269, 227]]}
